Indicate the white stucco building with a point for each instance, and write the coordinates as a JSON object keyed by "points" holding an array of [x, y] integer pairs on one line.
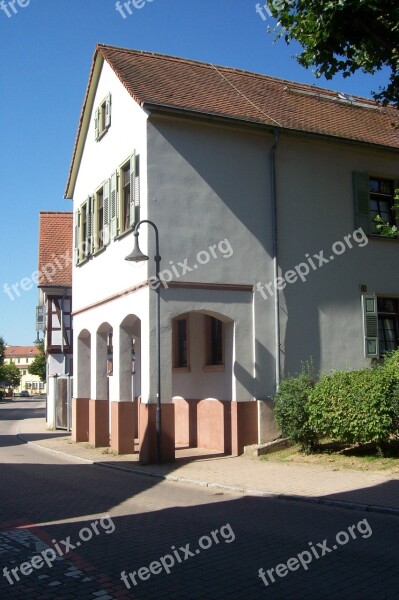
{"points": [[264, 193]]}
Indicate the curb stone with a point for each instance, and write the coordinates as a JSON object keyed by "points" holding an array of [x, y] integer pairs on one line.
{"points": [[387, 510]]}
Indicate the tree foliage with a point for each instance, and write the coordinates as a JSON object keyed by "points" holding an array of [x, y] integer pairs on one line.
{"points": [[344, 36], [2, 346], [10, 374], [386, 229], [38, 367]]}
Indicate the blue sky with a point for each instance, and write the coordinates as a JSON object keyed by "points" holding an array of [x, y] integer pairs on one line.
{"points": [[46, 50]]}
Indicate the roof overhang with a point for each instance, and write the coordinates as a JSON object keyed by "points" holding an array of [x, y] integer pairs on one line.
{"points": [[84, 122]]}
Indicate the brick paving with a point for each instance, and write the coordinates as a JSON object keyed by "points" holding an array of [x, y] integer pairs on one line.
{"points": [[239, 474], [47, 498]]}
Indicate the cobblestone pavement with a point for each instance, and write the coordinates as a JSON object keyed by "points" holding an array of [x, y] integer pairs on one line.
{"points": [[213, 543]]}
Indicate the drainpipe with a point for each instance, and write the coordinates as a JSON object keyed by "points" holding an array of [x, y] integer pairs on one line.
{"points": [[275, 256]]}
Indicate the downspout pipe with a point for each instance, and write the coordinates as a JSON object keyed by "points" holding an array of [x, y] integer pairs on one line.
{"points": [[273, 188]]}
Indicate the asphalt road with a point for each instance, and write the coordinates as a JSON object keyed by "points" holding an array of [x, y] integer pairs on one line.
{"points": [[179, 542]]}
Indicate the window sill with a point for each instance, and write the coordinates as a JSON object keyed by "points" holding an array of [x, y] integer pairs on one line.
{"points": [[124, 233], [213, 368], [101, 135], [385, 238], [83, 262], [181, 369], [99, 251]]}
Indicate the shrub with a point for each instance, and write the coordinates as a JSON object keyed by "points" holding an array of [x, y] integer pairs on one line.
{"points": [[291, 411], [356, 406]]}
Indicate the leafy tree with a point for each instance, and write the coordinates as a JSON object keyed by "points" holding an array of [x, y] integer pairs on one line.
{"points": [[11, 375], [386, 229], [38, 367], [2, 346], [344, 36]]}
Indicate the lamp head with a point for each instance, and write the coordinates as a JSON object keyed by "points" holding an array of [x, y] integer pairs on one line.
{"points": [[37, 340], [136, 254]]}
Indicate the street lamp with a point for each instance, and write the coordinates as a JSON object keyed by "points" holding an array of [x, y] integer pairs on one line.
{"points": [[37, 340], [137, 256]]}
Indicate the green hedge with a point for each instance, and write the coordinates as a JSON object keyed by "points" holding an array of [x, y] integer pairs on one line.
{"points": [[290, 409], [353, 407], [356, 407]]}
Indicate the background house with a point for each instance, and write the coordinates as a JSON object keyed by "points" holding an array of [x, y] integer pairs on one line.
{"points": [[55, 290], [265, 193], [23, 357]]}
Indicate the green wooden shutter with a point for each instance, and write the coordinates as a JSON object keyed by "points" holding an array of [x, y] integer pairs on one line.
{"points": [[114, 204], [90, 225], [370, 326], [77, 236], [108, 111], [362, 202], [132, 216], [106, 220], [97, 124]]}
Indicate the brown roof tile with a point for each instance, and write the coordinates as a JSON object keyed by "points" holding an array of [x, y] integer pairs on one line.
{"points": [[158, 80], [55, 249], [20, 351], [201, 87]]}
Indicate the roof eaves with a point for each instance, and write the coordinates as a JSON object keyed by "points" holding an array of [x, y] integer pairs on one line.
{"points": [[83, 125], [173, 110]]}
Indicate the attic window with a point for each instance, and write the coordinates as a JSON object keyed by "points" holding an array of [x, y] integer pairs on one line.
{"points": [[102, 119]]}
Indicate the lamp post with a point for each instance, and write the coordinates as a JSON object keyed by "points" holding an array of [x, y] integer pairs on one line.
{"points": [[137, 256]]}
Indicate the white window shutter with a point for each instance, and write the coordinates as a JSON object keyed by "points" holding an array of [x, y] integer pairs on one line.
{"points": [[90, 225], [114, 203], [370, 326], [362, 201], [108, 111], [132, 217], [137, 182], [97, 124], [77, 236], [106, 215]]}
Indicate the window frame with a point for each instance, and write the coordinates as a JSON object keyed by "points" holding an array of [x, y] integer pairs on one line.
{"points": [[381, 314], [102, 118], [98, 220], [207, 327], [176, 367]]}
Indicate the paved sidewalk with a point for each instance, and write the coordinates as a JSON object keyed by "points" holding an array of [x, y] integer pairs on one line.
{"points": [[374, 491]]}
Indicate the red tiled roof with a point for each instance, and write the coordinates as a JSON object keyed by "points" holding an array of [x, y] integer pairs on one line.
{"points": [[162, 81], [55, 249], [20, 351], [201, 87]]}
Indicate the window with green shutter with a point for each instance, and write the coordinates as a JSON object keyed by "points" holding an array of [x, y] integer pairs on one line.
{"points": [[374, 202], [102, 118]]}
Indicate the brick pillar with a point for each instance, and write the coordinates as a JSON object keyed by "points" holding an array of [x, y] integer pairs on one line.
{"points": [[122, 427], [99, 423], [80, 419], [147, 433]]}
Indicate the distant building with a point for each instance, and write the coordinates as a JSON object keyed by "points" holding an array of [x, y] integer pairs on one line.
{"points": [[23, 357]]}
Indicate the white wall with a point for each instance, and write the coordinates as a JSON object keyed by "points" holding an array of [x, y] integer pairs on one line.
{"points": [[108, 273], [322, 317]]}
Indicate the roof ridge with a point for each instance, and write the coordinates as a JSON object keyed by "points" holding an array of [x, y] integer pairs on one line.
{"points": [[247, 72]]}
